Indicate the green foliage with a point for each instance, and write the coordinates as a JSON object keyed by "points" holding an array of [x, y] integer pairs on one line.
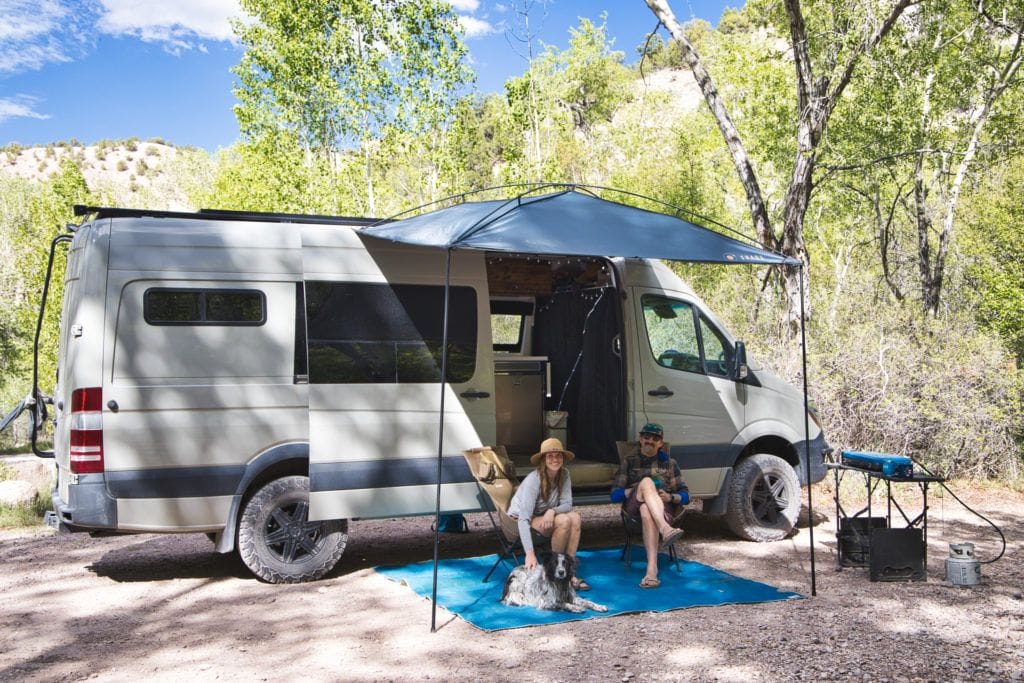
{"points": [[333, 79], [995, 254], [31, 215]]}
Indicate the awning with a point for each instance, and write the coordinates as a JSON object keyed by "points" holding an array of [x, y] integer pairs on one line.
{"points": [[571, 223]]}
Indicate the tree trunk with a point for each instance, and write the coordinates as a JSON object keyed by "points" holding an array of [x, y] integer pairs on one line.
{"points": [[755, 200]]}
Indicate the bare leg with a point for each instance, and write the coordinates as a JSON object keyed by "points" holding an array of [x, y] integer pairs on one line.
{"points": [[650, 542], [647, 493], [561, 534], [574, 533]]}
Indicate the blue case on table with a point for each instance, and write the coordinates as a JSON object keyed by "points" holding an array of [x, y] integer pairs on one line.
{"points": [[890, 465]]}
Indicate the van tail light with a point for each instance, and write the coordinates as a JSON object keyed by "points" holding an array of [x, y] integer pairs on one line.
{"points": [[87, 430]]}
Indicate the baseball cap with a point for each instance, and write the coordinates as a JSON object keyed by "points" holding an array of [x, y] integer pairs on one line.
{"points": [[652, 428]]}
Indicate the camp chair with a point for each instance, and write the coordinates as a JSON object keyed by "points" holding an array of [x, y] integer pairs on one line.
{"points": [[495, 475], [632, 525]]}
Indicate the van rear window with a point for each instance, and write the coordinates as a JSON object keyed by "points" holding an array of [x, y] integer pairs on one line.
{"points": [[162, 306], [361, 333]]}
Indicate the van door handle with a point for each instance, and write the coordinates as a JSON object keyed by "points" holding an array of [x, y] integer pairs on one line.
{"points": [[661, 391], [474, 394]]}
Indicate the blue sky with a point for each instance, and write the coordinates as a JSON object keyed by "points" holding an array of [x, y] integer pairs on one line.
{"points": [[94, 69]]}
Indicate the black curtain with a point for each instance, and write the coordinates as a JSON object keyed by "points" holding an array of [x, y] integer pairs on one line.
{"points": [[575, 329]]}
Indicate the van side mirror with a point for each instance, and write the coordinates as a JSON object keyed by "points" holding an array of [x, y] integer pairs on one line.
{"points": [[739, 362]]}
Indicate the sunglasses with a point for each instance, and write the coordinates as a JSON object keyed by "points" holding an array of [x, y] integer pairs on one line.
{"points": [[648, 435]]}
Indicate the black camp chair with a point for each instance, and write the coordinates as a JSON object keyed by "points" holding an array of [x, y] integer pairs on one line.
{"points": [[495, 475]]}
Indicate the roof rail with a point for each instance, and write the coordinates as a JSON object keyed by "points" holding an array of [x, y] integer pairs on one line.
{"points": [[221, 214]]}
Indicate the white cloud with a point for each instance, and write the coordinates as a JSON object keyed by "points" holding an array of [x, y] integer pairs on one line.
{"points": [[33, 34], [179, 24], [20, 106], [465, 5], [475, 28]]}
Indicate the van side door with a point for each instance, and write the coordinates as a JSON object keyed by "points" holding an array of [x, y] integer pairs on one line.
{"points": [[374, 321], [684, 386]]}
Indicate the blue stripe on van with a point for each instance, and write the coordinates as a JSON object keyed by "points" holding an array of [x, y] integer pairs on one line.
{"points": [[179, 482], [195, 482], [388, 473], [705, 455]]}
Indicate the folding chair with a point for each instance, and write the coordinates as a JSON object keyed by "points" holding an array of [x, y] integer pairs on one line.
{"points": [[632, 525], [495, 475]]}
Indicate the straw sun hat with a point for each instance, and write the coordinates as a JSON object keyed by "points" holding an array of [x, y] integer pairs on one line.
{"points": [[549, 445]]}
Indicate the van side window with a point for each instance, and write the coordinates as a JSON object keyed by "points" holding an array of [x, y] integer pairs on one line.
{"points": [[164, 306], [362, 333], [508, 320], [671, 333], [717, 351]]}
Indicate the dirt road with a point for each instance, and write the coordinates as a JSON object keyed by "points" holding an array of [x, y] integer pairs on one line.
{"points": [[168, 608]]}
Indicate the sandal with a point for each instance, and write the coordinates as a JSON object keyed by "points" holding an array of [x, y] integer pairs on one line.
{"points": [[650, 582], [671, 537], [579, 584]]}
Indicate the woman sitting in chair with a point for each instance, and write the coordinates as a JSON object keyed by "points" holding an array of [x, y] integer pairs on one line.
{"points": [[543, 502]]}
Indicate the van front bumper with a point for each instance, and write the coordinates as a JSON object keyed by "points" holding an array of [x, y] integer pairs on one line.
{"points": [[819, 448]]}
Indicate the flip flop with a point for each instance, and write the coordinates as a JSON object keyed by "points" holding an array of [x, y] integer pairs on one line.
{"points": [[579, 584], [649, 582], [671, 537]]}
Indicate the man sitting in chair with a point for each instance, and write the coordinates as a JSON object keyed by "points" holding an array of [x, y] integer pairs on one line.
{"points": [[650, 486]]}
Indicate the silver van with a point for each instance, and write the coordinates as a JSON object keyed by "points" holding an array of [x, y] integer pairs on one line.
{"points": [[264, 378]]}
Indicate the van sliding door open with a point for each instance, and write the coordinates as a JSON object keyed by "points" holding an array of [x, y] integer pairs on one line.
{"points": [[374, 354]]}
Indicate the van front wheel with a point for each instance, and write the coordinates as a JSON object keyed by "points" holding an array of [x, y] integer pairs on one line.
{"points": [[764, 499], [276, 540]]}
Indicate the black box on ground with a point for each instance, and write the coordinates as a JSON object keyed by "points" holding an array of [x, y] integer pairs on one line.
{"points": [[854, 540], [897, 555]]}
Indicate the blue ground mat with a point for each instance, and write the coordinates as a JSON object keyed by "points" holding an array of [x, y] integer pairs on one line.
{"points": [[460, 590]]}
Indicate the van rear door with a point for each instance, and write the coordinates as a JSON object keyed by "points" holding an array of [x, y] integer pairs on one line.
{"points": [[685, 386], [374, 324]]}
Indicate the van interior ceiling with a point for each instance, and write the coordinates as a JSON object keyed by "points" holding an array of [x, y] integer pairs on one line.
{"points": [[565, 312]]}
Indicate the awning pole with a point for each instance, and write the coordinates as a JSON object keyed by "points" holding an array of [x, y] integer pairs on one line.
{"points": [[807, 432], [440, 437]]}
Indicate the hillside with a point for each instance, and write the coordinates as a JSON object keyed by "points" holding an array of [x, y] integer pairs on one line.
{"points": [[122, 172]]}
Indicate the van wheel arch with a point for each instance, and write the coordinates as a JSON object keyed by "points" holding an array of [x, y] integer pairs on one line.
{"points": [[764, 498]]}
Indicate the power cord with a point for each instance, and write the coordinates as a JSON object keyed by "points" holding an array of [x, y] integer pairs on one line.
{"points": [[969, 509]]}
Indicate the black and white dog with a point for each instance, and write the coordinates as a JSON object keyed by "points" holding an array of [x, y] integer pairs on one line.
{"points": [[547, 586]]}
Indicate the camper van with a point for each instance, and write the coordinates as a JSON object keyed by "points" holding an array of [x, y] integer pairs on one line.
{"points": [[266, 378]]}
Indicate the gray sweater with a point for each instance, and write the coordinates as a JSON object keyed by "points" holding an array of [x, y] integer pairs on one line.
{"points": [[527, 504]]}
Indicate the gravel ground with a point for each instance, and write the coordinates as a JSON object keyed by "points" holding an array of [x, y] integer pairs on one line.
{"points": [[168, 608]]}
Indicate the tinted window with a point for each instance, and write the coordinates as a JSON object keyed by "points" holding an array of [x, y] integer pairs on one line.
{"points": [[378, 333], [204, 307]]}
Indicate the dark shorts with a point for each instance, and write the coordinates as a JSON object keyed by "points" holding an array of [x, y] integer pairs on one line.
{"points": [[632, 508]]}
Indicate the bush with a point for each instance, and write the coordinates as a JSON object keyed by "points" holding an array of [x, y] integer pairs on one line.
{"points": [[902, 383], [122, 165]]}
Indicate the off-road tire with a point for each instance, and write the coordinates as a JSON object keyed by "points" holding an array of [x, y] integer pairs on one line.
{"points": [[278, 543], [764, 498]]}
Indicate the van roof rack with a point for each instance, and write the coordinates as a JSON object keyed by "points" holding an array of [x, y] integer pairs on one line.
{"points": [[221, 214]]}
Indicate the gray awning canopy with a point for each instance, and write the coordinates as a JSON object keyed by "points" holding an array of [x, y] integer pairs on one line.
{"points": [[571, 223]]}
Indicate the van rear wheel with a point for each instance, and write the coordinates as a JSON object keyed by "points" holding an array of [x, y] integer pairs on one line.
{"points": [[764, 498], [276, 540]]}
